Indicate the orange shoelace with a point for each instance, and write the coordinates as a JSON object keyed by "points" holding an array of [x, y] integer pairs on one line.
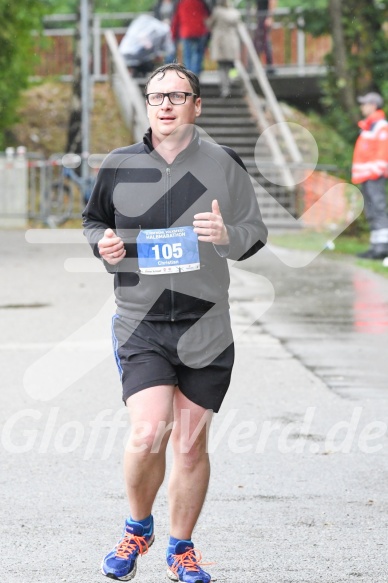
{"points": [[190, 560], [131, 543]]}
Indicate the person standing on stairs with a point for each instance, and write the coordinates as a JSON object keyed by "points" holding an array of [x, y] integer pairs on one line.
{"points": [[370, 170], [225, 42], [262, 38], [189, 27]]}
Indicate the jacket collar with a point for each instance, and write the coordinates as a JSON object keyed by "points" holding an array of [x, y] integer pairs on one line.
{"points": [[367, 123], [191, 148]]}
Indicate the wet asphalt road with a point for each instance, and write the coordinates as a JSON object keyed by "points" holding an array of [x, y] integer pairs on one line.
{"points": [[296, 495], [333, 316]]}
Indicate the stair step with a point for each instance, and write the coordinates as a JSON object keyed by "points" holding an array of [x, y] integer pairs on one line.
{"points": [[214, 91], [227, 121], [216, 95], [248, 143], [232, 131], [242, 151], [231, 116], [226, 103]]}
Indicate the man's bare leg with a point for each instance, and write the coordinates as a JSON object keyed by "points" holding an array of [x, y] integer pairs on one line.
{"points": [[151, 412], [191, 468]]}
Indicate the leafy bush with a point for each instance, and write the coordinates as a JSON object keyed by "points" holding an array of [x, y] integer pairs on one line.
{"points": [[18, 44]]}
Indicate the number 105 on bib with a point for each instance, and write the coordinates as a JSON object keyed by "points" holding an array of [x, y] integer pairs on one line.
{"points": [[172, 250]]}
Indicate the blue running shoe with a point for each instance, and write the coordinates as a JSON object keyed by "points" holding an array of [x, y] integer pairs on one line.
{"points": [[184, 564], [120, 563]]}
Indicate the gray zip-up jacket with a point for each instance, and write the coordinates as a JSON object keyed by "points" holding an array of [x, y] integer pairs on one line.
{"points": [[137, 190]]}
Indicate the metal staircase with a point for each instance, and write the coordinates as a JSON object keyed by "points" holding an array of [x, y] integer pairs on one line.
{"points": [[236, 121], [230, 121]]}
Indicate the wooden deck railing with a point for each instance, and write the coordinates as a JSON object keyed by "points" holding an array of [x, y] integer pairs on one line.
{"points": [[292, 47]]}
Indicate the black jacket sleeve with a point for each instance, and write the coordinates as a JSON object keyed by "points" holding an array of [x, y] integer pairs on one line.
{"points": [[99, 212], [246, 229]]}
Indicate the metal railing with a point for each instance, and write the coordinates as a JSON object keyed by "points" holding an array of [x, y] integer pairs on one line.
{"points": [[292, 46], [54, 197], [129, 97], [41, 190], [284, 156], [270, 98]]}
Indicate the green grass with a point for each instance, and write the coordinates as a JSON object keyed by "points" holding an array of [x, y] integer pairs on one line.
{"points": [[345, 245]]}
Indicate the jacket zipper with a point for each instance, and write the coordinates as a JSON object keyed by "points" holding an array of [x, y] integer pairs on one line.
{"points": [[168, 224]]}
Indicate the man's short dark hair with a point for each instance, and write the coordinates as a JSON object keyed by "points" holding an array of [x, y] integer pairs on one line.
{"points": [[181, 72]]}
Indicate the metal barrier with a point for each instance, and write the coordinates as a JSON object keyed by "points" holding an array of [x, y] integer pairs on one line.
{"points": [[52, 198], [53, 193], [40, 190]]}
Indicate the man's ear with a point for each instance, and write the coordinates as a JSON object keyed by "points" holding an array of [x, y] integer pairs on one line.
{"points": [[198, 107]]}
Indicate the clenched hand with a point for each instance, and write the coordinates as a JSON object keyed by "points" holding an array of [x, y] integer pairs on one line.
{"points": [[210, 227], [111, 247]]}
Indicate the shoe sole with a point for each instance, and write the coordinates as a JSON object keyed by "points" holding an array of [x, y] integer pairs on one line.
{"points": [[125, 578], [171, 575], [130, 575]]}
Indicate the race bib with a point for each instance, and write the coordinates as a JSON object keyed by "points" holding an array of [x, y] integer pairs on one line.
{"points": [[172, 250]]}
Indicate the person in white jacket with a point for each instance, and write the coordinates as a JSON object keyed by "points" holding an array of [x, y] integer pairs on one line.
{"points": [[225, 43]]}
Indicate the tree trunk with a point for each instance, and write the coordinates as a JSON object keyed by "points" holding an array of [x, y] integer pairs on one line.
{"points": [[341, 71]]}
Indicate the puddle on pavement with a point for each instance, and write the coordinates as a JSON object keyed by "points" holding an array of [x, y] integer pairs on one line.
{"points": [[334, 318]]}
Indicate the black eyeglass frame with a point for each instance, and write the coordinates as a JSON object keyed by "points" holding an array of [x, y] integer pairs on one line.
{"points": [[185, 93]]}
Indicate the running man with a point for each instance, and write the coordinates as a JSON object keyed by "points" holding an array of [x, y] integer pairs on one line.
{"points": [[164, 216]]}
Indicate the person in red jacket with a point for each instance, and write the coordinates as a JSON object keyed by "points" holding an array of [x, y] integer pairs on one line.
{"points": [[370, 170], [189, 25]]}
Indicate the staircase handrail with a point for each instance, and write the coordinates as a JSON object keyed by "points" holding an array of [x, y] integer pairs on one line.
{"points": [[278, 159], [130, 98], [269, 95]]}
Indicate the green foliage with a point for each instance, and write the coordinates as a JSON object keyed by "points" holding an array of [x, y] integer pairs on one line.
{"points": [[315, 20], [333, 149], [366, 42], [304, 4], [69, 6], [17, 53], [63, 6], [124, 5], [367, 60]]}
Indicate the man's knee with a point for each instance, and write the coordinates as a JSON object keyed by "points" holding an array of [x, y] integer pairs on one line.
{"points": [[148, 437], [190, 440], [189, 454]]}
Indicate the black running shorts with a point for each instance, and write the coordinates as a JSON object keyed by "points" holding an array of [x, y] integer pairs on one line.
{"points": [[195, 355]]}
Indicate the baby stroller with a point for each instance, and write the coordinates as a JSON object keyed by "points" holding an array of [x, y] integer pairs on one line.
{"points": [[145, 44]]}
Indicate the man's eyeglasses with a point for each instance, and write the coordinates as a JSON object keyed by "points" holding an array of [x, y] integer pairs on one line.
{"points": [[175, 97]]}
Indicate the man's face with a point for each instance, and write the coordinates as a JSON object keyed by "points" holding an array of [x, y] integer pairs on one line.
{"points": [[165, 118], [367, 109]]}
